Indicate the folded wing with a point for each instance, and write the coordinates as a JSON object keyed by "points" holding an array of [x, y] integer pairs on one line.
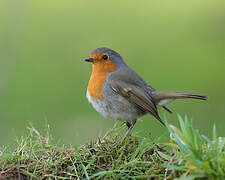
{"points": [[137, 96]]}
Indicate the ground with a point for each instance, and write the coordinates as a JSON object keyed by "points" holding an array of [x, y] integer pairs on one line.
{"points": [[188, 155]]}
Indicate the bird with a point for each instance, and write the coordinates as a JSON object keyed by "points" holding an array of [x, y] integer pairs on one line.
{"points": [[119, 93]]}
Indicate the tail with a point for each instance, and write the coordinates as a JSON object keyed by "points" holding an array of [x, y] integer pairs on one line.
{"points": [[162, 98]]}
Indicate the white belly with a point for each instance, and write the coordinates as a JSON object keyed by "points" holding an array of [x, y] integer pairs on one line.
{"points": [[116, 108]]}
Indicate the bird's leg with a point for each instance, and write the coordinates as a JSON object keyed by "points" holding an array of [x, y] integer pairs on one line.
{"points": [[130, 127]]}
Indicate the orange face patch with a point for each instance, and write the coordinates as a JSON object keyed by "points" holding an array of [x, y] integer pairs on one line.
{"points": [[100, 69]]}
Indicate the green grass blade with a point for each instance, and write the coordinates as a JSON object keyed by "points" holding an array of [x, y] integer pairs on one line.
{"points": [[182, 146], [214, 133]]}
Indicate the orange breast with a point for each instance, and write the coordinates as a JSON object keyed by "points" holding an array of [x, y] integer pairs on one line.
{"points": [[99, 72]]}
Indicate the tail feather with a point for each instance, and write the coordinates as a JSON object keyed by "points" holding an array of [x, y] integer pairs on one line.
{"points": [[162, 98]]}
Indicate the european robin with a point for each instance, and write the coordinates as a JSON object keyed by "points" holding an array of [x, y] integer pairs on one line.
{"points": [[119, 93]]}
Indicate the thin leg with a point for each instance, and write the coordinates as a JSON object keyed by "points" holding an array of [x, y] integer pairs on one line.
{"points": [[167, 109], [130, 127]]}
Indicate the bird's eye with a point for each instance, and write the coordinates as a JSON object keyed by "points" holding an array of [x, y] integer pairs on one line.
{"points": [[105, 57]]}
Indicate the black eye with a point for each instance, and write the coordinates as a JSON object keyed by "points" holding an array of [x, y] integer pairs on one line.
{"points": [[105, 57]]}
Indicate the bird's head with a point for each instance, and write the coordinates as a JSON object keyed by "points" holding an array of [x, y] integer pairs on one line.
{"points": [[105, 60]]}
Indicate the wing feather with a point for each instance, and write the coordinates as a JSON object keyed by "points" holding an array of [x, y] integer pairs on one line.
{"points": [[136, 96]]}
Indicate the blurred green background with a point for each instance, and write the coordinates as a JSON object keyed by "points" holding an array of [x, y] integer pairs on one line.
{"points": [[173, 45]]}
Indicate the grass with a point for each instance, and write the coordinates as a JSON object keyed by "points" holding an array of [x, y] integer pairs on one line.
{"points": [[188, 155]]}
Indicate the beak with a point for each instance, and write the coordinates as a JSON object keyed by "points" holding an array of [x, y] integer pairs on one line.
{"points": [[89, 60]]}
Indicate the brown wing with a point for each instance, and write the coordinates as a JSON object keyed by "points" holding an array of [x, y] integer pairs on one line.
{"points": [[136, 96]]}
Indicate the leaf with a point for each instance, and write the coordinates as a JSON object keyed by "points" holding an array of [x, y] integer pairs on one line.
{"points": [[173, 167], [180, 143], [164, 156], [9, 156], [214, 133]]}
